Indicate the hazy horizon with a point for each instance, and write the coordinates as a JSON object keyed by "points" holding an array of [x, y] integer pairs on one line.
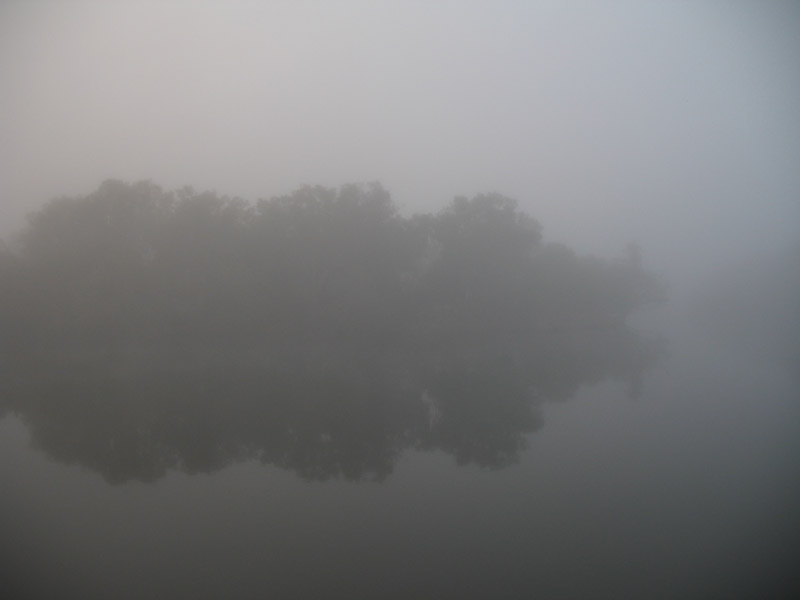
{"points": [[673, 126], [321, 395]]}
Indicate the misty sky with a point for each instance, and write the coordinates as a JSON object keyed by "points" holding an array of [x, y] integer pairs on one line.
{"points": [[673, 124]]}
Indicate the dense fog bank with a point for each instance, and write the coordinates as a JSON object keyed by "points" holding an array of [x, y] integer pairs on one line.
{"points": [[581, 382], [751, 309]]}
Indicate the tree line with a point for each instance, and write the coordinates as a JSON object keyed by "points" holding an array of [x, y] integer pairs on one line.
{"points": [[321, 331], [131, 263]]}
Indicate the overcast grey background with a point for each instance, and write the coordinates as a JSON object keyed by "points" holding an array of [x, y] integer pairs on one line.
{"points": [[673, 124]]}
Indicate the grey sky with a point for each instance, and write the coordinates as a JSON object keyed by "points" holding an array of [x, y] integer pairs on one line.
{"points": [[674, 124]]}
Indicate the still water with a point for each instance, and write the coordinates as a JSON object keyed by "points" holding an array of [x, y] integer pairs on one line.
{"points": [[687, 488]]}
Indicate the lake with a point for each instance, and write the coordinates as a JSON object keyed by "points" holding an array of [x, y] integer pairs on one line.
{"points": [[686, 489]]}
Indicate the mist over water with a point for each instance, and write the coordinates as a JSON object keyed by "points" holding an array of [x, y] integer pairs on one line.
{"points": [[553, 349]]}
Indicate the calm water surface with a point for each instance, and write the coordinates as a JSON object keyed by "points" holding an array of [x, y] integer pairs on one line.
{"points": [[688, 491]]}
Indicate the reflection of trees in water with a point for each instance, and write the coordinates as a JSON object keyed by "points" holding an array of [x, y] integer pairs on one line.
{"points": [[323, 413], [322, 332]]}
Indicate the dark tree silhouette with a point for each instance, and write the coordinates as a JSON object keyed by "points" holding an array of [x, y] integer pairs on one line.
{"points": [[321, 331]]}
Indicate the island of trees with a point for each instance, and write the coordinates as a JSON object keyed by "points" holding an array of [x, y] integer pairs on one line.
{"points": [[322, 331]]}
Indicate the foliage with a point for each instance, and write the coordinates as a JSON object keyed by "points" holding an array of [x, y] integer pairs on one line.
{"points": [[321, 331]]}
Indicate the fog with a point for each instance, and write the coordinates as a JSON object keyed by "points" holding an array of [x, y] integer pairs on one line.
{"points": [[672, 126], [463, 300]]}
